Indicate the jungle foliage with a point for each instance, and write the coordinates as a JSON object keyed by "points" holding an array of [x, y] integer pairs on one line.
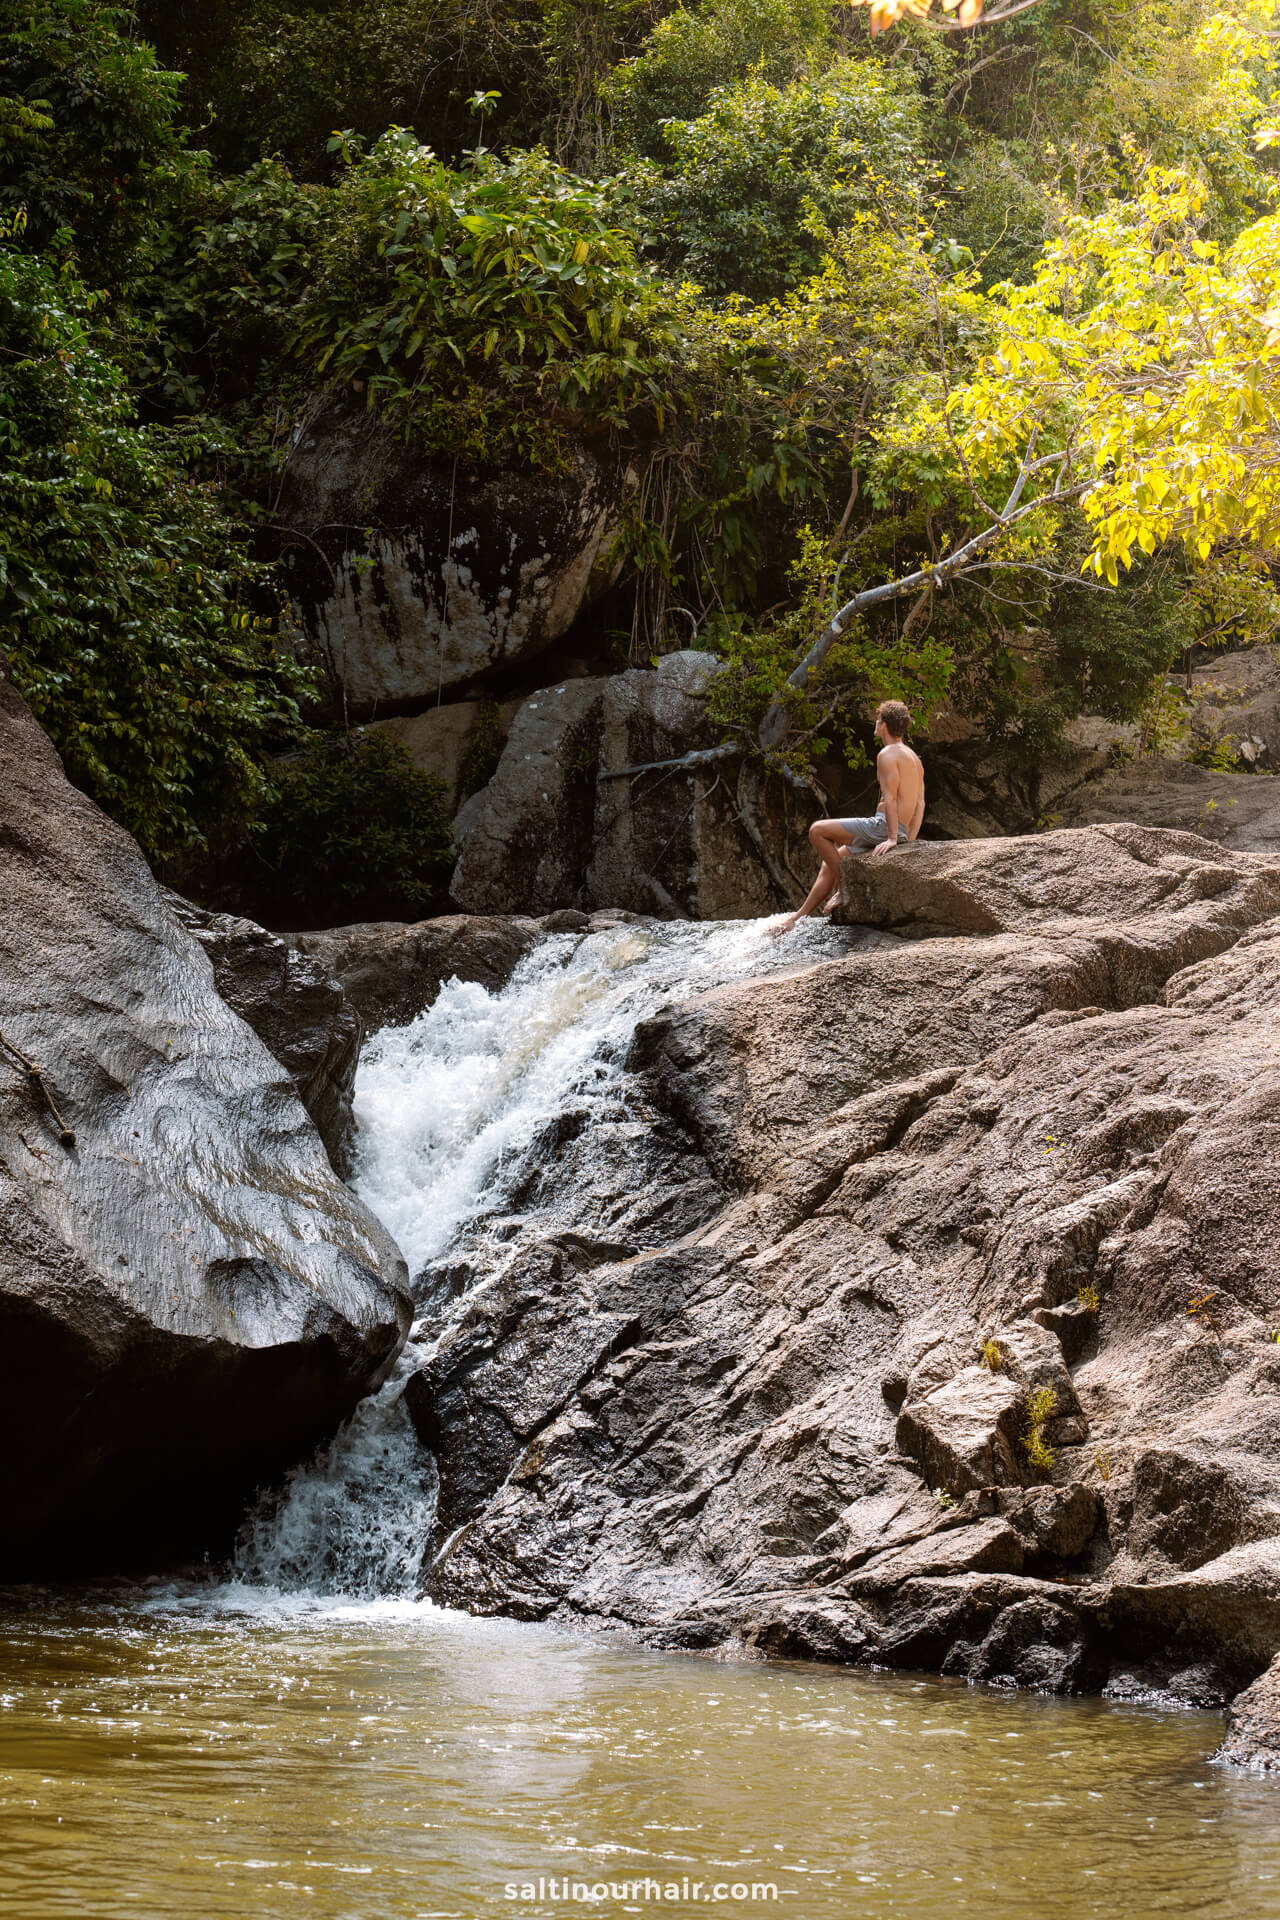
{"points": [[831, 298]]}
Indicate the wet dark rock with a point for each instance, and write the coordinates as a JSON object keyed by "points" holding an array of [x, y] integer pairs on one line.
{"points": [[391, 970], [678, 844], [1226, 1611], [296, 1008], [189, 1297], [1253, 1726], [1169, 1681], [813, 1628], [1038, 1643]]}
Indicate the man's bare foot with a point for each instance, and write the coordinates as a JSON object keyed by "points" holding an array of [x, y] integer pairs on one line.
{"points": [[785, 926], [831, 903]]}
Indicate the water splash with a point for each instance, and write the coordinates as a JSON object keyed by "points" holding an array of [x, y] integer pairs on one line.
{"points": [[354, 1520]]}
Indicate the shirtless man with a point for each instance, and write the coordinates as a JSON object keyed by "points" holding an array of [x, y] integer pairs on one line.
{"points": [[898, 819]]}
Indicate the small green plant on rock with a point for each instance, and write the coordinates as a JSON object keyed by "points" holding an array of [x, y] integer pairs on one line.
{"points": [[484, 749], [1088, 1297], [1103, 1462], [1041, 1405], [943, 1498], [991, 1355]]}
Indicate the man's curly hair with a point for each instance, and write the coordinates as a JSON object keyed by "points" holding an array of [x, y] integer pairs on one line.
{"points": [[896, 716]]}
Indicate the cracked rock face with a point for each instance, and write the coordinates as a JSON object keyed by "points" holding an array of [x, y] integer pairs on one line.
{"points": [[189, 1297], [1048, 1115], [553, 829], [1253, 1726]]}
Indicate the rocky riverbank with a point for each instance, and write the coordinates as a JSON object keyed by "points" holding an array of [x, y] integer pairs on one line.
{"points": [[920, 1307], [967, 1360]]}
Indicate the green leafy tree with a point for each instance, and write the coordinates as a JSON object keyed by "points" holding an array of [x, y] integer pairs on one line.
{"points": [[89, 146], [760, 181], [689, 55], [128, 607]]}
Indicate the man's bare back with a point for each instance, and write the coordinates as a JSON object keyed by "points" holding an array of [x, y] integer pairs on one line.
{"points": [[901, 777]]}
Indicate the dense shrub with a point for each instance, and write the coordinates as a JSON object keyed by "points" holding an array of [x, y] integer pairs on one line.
{"points": [[127, 603], [88, 142], [736, 207], [352, 829], [692, 53], [484, 297]]}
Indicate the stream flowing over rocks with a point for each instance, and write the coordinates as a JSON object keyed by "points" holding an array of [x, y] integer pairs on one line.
{"points": [[899, 1291], [189, 1297], [709, 1232]]}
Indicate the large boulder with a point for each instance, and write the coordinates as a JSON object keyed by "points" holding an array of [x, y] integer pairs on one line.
{"points": [[525, 839], [1120, 877], [189, 1297], [297, 1009], [413, 577], [1046, 1112], [556, 827], [676, 842], [965, 1433], [390, 970]]}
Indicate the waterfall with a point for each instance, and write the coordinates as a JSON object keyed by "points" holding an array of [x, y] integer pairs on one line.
{"points": [[452, 1114]]}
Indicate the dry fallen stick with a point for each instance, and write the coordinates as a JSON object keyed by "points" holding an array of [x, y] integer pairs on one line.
{"points": [[40, 1088]]}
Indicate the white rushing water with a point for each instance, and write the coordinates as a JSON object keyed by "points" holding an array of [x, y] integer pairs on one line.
{"points": [[447, 1106], [449, 1110]]}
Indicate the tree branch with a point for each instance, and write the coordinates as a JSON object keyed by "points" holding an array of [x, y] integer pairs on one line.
{"points": [[702, 757], [774, 724]]}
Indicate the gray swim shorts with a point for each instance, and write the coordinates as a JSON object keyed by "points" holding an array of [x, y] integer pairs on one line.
{"points": [[871, 831]]}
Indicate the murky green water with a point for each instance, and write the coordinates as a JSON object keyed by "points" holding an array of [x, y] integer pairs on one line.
{"points": [[169, 1757]]}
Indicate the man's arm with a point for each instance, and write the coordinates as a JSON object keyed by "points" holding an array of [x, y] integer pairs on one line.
{"points": [[888, 776]]}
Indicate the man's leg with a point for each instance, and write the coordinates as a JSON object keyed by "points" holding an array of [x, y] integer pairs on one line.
{"points": [[854, 851], [828, 838]]}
